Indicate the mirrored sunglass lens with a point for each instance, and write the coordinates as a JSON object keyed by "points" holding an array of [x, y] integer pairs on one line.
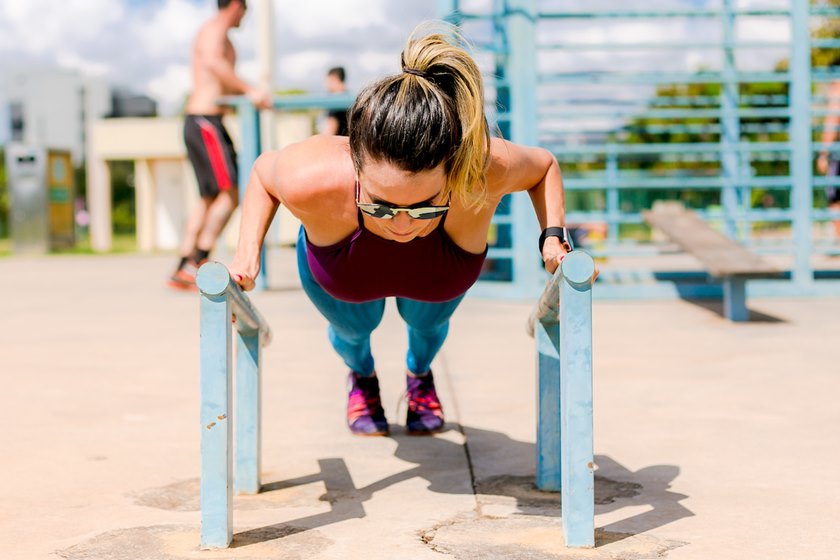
{"points": [[426, 213], [377, 210]]}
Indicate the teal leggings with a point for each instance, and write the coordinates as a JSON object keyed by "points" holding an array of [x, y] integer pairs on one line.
{"points": [[350, 324]]}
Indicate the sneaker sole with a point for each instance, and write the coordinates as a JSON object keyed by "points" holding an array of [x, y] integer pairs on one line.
{"points": [[181, 286]]}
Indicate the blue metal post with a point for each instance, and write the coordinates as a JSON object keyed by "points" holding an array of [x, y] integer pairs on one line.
{"points": [[613, 207], [249, 150], [735, 299], [801, 157], [521, 29], [730, 124], [547, 338], [216, 432], [447, 10], [577, 462], [248, 409]]}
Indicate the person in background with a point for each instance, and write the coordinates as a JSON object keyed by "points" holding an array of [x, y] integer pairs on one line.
{"points": [[336, 121], [209, 146], [828, 162]]}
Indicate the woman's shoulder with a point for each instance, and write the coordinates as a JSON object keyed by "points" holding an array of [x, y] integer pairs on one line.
{"points": [[310, 174]]}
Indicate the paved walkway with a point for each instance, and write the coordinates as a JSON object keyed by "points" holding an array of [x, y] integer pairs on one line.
{"points": [[714, 440]]}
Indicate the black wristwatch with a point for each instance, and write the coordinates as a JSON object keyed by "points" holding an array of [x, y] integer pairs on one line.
{"points": [[561, 233]]}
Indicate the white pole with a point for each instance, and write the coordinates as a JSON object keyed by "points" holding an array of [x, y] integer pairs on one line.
{"points": [[265, 61]]}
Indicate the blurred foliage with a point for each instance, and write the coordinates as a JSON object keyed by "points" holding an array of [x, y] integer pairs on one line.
{"points": [[829, 28], [122, 189], [4, 197]]}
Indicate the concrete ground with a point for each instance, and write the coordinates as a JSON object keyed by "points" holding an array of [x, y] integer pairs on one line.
{"points": [[713, 440]]}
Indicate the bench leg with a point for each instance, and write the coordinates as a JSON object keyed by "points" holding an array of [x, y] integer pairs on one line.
{"points": [[735, 299], [548, 401], [247, 478], [216, 433]]}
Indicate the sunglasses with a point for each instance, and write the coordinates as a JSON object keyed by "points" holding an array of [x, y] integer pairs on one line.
{"points": [[387, 212]]}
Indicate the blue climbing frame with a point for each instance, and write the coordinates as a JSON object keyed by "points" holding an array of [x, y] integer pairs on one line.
{"points": [[561, 325], [533, 52], [221, 301]]}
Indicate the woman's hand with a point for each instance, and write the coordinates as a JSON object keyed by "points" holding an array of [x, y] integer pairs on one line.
{"points": [[553, 254], [244, 276]]}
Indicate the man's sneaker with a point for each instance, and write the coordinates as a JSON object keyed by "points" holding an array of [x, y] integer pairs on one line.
{"points": [[184, 277], [365, 415], [425, 415]]}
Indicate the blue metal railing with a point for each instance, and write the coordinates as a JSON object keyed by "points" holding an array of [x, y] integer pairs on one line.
{"points": [[561, 324], [224, 305]]}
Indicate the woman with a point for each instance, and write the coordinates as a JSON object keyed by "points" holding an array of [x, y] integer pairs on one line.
{"points": [[400, 208]]}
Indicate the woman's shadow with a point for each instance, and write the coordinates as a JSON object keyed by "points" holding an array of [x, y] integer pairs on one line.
{"points": [[500, 468]]}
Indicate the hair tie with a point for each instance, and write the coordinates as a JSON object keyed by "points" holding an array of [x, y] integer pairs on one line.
{"points": [[412, 71], [415, 72]]}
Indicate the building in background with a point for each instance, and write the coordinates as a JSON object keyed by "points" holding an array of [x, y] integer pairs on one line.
{"points": [[53, 107], [125, 103]]}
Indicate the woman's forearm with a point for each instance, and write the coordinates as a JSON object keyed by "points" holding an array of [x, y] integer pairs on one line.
{"points": [[258, 209], [548, 198]]}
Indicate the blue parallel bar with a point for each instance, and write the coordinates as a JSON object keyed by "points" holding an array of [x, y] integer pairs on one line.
{"points": [[547, 338], [562, 326], [216, 434], [221, 301], [248, 409], [576, 409]]}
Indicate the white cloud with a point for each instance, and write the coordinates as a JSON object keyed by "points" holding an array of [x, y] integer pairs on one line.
{"points": [[326, 18], [169, 29], [170, 87]]}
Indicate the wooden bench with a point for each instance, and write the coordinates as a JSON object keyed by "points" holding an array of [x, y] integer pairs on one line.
{"points": [[723, 257]]}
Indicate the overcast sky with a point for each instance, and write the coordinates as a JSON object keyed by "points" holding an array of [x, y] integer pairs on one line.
{"points": [[144, 44]]}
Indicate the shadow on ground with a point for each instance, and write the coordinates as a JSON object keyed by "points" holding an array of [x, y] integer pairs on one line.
{"points": [[616, 487]]}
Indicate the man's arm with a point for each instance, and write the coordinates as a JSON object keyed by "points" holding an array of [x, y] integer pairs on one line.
{"points": [[213, 43]]}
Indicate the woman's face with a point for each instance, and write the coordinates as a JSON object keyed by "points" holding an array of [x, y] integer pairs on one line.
{"points": [[384, 183]]}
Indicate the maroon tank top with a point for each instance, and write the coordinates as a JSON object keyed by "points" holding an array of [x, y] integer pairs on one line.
{"points": [[365, 267]]}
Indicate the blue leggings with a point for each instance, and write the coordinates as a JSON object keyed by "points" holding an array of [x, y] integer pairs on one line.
{"points": [[352, 323]]}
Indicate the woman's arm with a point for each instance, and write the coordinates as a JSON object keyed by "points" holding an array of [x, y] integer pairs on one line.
{"points": [[258, 209], [516, 168]]}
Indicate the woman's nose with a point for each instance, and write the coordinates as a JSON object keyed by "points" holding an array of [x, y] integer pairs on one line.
{"points": [[402, 221]]}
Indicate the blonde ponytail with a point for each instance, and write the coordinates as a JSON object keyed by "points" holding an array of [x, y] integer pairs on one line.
{"points": [[440, 78]]}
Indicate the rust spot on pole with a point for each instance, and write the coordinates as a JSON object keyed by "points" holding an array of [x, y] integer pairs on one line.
{"points": [[221, 416], [590, 465], [210, 425]]}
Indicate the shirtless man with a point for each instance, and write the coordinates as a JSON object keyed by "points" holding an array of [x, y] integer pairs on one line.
{"points": [[209, 146]]}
